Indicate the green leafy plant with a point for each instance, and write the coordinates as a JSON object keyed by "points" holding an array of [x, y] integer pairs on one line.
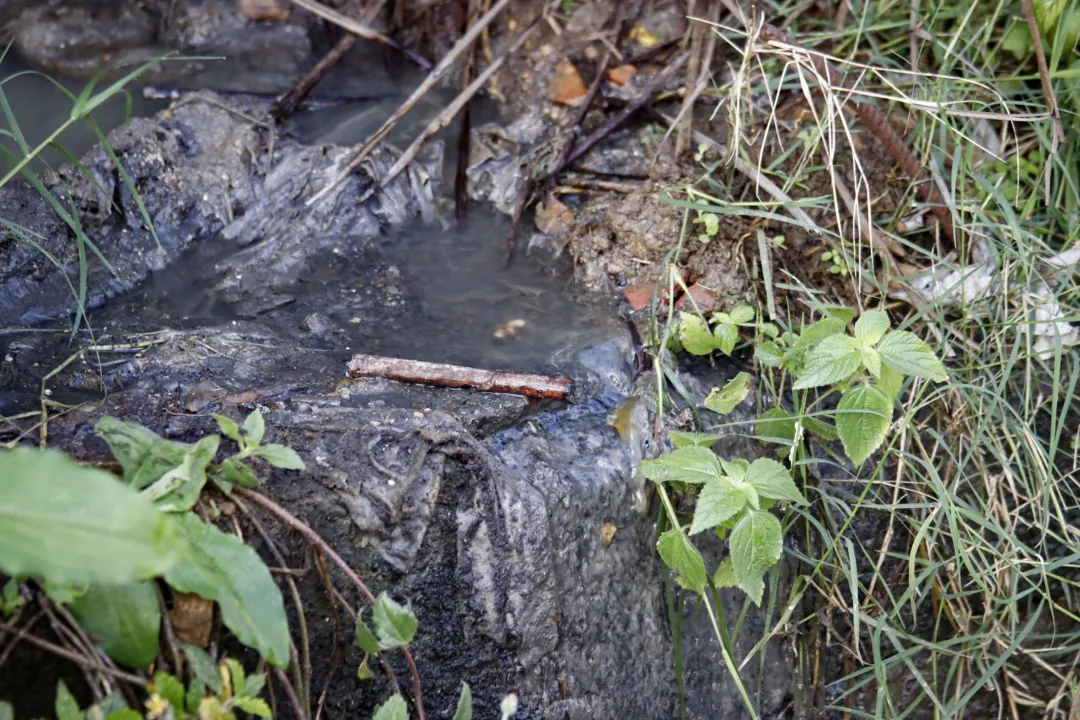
{"points": [[735, 496], [97, 543], [698, 339]]}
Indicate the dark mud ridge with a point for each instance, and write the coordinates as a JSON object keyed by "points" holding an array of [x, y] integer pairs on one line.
{"points": [[483, 511]]}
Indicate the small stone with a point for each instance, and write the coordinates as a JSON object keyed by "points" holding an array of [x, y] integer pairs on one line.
{"points": [[553, 216], [317, 324], [704, 299], [640, 295], [607, 533], [262, 10]]}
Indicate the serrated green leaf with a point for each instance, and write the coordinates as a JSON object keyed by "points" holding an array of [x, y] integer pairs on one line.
{"points": [[253, 706], [66, 706], [907, 354], [743, 314], [693, 465], [143, 454], [727, 336], [717, 502], [464, 704], [179, 488], [78, 525], [724, 577], [772, 480], [769, 354], [890, 382], [837, 312], [871, 360], [689, 439], [222, 568], [395, 624], [735, 470], [125, 618], [770, 330], [775, 425], [694, 335], [816, 332], [726, 399], [833, 359], [862, 418], [681, 556], [392, 709], [871, 327], [365, 639], [203, 667], [254, 427], [280, 456], [228, 428], [171, 689], [756, 545]]}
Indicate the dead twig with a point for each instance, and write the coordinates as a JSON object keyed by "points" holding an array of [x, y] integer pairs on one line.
{"points": [[433, 77], [335, 656], [880, 126], [1058, 133], [290, 693], [456, 376], [288, 103], [611, 125], [347, 23], [74, 657], [446, 116], [315, 539]]}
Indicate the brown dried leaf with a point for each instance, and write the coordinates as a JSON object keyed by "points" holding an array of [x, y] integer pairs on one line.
{"points": [[192, 618], [553, 217], [262, 10], [566, 86], [621, 75]]}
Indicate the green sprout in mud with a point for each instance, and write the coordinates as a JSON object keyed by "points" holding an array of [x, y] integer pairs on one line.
{"points": [[698, 339], [837, 264], [711, 221]]}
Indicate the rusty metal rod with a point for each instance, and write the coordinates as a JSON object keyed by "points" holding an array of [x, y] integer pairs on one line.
{"points": [[457, 376]]}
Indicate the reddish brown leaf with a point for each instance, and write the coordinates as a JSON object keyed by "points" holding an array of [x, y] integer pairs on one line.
{"points": [[567, 87]]}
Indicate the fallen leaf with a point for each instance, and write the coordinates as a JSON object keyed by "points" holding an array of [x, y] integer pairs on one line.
{"points": [[640, 295], [262, 10], [566, 86], [553, 217], [192, 619], [621, 75], [705, 299], [607, 533]]}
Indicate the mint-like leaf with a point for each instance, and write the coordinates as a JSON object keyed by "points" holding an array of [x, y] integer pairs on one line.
{"points": [[681, 556], [694, 335], [395, 624], [717, 502], [727, 336], [833, 359], [755, 547], [907, 354], [724, 400], [772, 480], [871, 327], [693, 465], [863, 417]]}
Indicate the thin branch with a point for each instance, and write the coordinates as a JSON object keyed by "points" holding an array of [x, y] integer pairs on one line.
{"points": [[72, 656], [290, 693], [314, 538], [456, 376], [433, 77], [347, 23], [447, 115]]}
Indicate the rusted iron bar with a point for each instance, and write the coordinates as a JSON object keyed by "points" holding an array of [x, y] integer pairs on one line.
{"points": [[456, 376], [881, 127]]}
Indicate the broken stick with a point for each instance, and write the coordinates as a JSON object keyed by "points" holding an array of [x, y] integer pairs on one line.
{"points": [[433, 77], [347, 23], [456, 376]]}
